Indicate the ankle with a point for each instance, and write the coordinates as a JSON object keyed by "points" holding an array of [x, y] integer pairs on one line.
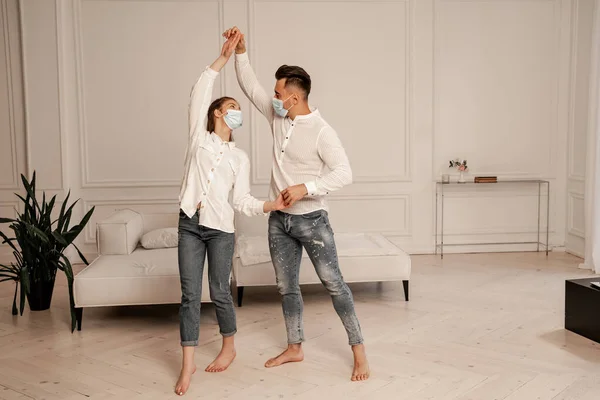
{"points": [[188, 366], [358, 348], [228, 349], [296, 348]]}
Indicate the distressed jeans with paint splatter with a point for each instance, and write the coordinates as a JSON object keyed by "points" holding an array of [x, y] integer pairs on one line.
{"points": [[288, 235], [195, 241]]}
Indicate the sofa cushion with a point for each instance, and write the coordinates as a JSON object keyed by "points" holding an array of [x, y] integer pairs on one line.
{"points": [[160, 238], [363, 257], [143, 277], [255, 249], [119, 233]]}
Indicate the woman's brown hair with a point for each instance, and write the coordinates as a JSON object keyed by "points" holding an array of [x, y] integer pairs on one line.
{"points": [[215, 105]]}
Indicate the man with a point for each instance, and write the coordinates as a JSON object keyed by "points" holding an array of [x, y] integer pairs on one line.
{"points": [[303, 144]]}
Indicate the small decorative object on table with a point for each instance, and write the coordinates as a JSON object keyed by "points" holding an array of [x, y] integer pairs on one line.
{"points": [[486, 179], [461, 166]]}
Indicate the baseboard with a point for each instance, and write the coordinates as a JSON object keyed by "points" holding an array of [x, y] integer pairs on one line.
{"points": [[574, 253]]}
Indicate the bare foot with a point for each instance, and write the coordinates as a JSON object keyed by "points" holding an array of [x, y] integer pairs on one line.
{"points": [[183, 383], [361, 370], [293, 353], [223, 360]]}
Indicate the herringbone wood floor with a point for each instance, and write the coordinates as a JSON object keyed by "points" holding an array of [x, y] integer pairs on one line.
{"points": [[478, 327]]}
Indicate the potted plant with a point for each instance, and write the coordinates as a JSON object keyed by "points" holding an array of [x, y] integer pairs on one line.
{"points": [[38, 246], [461, 166]]}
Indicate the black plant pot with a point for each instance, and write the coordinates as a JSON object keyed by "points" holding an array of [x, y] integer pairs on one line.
{"points": [[40, 294]]}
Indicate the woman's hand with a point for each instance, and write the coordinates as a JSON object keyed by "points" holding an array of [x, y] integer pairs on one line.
{"points": [[230, 45], [278, 204], [241, 46], [226, 52]]}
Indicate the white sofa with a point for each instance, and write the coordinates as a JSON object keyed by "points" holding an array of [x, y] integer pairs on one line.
{"points": [[127, 274], [363, 257]]}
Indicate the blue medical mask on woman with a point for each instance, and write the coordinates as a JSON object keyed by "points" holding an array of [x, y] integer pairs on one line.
{"points": [[279, 108], [233, 119]]}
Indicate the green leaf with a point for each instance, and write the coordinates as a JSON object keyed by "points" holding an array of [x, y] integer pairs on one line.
{"points": [[59, 238], [24, 287], [77, 229], [61, 216], [81, 255], [8, 240], [7, 220], [30, 188], [38, 232], [22, 198], [14, 306], [69, 273]]}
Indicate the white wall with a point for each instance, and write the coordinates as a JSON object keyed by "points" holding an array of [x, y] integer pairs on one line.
{"points": [[407, 84], [12, 128], [583, 16]]}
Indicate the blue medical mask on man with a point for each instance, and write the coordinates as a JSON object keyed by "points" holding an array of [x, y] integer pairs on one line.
{"points": [[233, 119], [279, 107]]}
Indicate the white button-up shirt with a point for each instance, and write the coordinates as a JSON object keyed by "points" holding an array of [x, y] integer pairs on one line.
{"points": [[302, 148], [213, 168]]}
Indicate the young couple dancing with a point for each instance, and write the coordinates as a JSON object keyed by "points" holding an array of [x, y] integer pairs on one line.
{"points": [[303, 144]]}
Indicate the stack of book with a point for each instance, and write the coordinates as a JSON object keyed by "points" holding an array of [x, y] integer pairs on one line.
{"points": [[486, 179]]}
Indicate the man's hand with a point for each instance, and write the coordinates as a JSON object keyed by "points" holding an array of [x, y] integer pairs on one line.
{"points": [[294, 193], [241, 46], [278, 204], [226, 52]]}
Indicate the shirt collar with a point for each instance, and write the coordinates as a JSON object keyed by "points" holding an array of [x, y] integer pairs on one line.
{"points": [[216, 139], [313, 113]]}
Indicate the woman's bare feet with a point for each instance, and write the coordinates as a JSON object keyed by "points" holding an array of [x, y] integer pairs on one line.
{"points": [[188, 368], [225, 357], [183, 383], [293, 353], [361, 370]]}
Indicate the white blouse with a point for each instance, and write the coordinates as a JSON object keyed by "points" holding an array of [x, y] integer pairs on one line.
{"points": [[213, 168]]}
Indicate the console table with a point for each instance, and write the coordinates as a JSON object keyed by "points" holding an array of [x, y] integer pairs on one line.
{"points": [[444, 187]]}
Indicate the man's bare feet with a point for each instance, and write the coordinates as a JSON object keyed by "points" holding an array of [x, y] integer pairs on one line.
{"points": [[225, 357], [183, 383], [361, 370], [293, 353]]}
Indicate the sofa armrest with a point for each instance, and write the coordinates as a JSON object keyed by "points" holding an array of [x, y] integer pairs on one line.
{"points": [[120, 233]]}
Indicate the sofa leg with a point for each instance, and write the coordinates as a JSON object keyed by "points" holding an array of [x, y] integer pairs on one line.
{"points": [[78, 317], [240, 295], [405, 284]]}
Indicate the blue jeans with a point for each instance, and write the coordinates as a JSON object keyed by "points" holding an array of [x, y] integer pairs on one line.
{"points": [[195, 241], [288, 234]]}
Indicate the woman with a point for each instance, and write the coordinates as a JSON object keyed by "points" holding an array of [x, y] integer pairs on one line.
{"points": [[214, 167]]}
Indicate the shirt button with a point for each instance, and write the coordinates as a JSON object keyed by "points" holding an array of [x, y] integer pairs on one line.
{"points": [[283, 151], [287, 137], [212, 169], [221, 153], [204, 194], [209, 181]]}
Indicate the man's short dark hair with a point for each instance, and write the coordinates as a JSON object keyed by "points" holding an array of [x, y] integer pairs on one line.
{"points": [[295, 76]]}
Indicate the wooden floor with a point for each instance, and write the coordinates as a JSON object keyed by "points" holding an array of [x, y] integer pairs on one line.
{"points": [[478, 327]]}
